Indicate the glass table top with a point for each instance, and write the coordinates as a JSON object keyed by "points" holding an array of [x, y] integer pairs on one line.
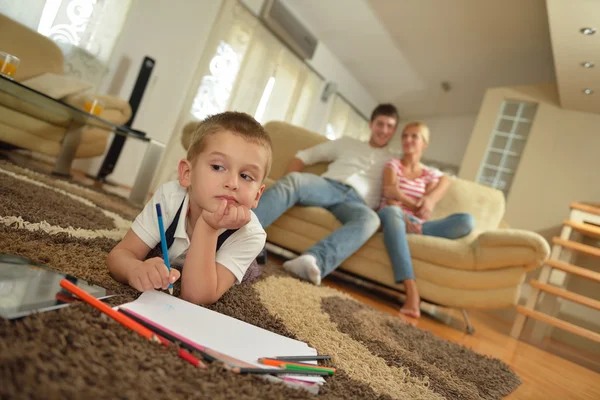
{"points": [[26, 100]]}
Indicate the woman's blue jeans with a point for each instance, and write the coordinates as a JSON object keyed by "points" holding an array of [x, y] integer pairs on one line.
{"points": [[394, 234]]}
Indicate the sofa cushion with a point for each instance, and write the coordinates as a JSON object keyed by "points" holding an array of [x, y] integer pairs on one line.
{"points": [[485, 204], [57, 86], [287, 141], [36, 125]]}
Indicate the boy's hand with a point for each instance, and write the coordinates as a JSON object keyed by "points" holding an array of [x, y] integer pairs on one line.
{"points": [[232, 216], [152, 274]]}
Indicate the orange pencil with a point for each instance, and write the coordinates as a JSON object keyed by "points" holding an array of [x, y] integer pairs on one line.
{"points": [[94, 302], [128, 322], [281, 363]]}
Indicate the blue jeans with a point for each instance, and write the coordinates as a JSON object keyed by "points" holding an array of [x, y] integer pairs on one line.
{"points": [[359, 221], [394, 234]]}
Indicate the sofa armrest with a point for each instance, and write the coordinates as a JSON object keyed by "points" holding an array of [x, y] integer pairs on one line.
{"points": [[116, 110], [510, 247]]}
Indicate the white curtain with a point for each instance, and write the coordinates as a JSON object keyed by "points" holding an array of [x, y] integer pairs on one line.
{"points": [[85, 30], [344, 120], [253, 72], [244, 68]]}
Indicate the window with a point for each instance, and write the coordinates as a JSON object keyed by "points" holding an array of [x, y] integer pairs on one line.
{"points": [[85, 30], [253, 72], [244, 67], [344, 120], [506, 145]]}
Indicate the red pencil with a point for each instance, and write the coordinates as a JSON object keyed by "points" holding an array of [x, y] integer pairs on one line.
{"points": [[94, 302], [128, 322]]}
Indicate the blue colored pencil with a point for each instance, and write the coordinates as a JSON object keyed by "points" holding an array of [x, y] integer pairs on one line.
{"points": [[163, 243]]}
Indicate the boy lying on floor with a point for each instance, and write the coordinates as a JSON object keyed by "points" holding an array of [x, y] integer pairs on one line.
{"points": [[228, 158]]}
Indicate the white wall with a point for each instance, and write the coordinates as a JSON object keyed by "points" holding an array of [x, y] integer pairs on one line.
{"points": [[328, 66], [174, 34], [559, 163], [449, 137]]}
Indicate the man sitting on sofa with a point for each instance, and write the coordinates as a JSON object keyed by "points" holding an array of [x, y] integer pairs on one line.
{"points": [[350, 190]]}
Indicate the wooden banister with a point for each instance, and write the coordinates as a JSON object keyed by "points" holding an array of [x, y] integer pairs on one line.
{"points": [[580, 247], [567, 326], [574, 269], [586, 229], [566, 294], [589, 208]]}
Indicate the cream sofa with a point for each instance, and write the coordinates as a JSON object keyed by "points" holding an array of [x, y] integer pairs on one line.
{"points": [[26, 126], [483, 270]]}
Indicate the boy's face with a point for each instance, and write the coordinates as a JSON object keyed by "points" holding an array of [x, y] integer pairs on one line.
{"points": [[229, 167]]}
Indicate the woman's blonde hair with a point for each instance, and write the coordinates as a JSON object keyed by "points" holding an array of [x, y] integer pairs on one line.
{"points": [[423, 130]]}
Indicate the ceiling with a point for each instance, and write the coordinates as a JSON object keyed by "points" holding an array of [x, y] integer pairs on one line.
{"points": [[571, 48], [401, 51]]}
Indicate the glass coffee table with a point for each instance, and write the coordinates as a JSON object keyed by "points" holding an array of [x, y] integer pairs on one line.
{"points": [[25, 100]]}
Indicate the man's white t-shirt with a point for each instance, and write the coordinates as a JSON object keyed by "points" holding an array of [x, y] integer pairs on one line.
{"points": [[236, 253], [353, 163]]}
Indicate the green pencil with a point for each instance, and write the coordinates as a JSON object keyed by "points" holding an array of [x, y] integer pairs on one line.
{"points": [[292, 367]]}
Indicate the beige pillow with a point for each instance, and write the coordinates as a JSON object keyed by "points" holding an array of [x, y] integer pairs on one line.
{"points": [[57, 86]]}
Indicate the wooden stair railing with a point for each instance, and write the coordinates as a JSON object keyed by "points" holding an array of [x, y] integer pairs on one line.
{"points": [[584, 219]]}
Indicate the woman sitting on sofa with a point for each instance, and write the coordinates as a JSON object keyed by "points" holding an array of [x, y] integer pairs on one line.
{"points": [[410, 192]]}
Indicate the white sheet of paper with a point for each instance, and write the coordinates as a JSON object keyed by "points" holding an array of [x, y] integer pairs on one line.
{"points": [[219, 332]]}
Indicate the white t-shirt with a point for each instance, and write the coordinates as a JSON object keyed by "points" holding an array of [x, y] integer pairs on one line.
{"points": [[353, 163], [237, 252]]}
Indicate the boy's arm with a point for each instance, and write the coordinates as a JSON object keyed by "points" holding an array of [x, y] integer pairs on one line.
{"points": [[125, 265], [204, 280], [126, 255]]}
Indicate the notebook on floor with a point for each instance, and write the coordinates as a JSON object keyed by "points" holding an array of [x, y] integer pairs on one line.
{"points": [[216, 331]]}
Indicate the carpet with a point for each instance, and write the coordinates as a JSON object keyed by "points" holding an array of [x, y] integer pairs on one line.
{"points": [[73, 353]]}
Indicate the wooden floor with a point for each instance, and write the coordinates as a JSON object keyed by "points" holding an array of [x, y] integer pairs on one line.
{"points": [[545, 376]]}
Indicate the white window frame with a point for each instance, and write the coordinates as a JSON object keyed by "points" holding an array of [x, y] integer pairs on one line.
{"points": [[500, 168]]}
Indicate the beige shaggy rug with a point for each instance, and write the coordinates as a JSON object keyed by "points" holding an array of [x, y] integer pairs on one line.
{"points": [[73, 353]]}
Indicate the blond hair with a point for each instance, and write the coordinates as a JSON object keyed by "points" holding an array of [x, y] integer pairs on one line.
{"points": [[423, 130], [195, 133]]}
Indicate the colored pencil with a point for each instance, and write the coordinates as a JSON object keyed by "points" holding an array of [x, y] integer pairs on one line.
{"points": [[301, 358], [126, 321], [94, 302], [182, 352], [211, 355], [280, 363], [163, 243], [208, 354], [292, 367], [276, 371], [157, 330]]}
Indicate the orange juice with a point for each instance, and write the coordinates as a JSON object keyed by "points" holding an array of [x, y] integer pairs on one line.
{"points": [[94, 107], [7, 68]]}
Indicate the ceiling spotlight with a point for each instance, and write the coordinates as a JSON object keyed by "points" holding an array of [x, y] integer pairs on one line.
{"points": [[588, 64], [588, 91], [588, 31]]}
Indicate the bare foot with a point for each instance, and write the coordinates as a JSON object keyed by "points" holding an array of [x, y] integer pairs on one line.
{"points": [[411, 312], [411, 306]]}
